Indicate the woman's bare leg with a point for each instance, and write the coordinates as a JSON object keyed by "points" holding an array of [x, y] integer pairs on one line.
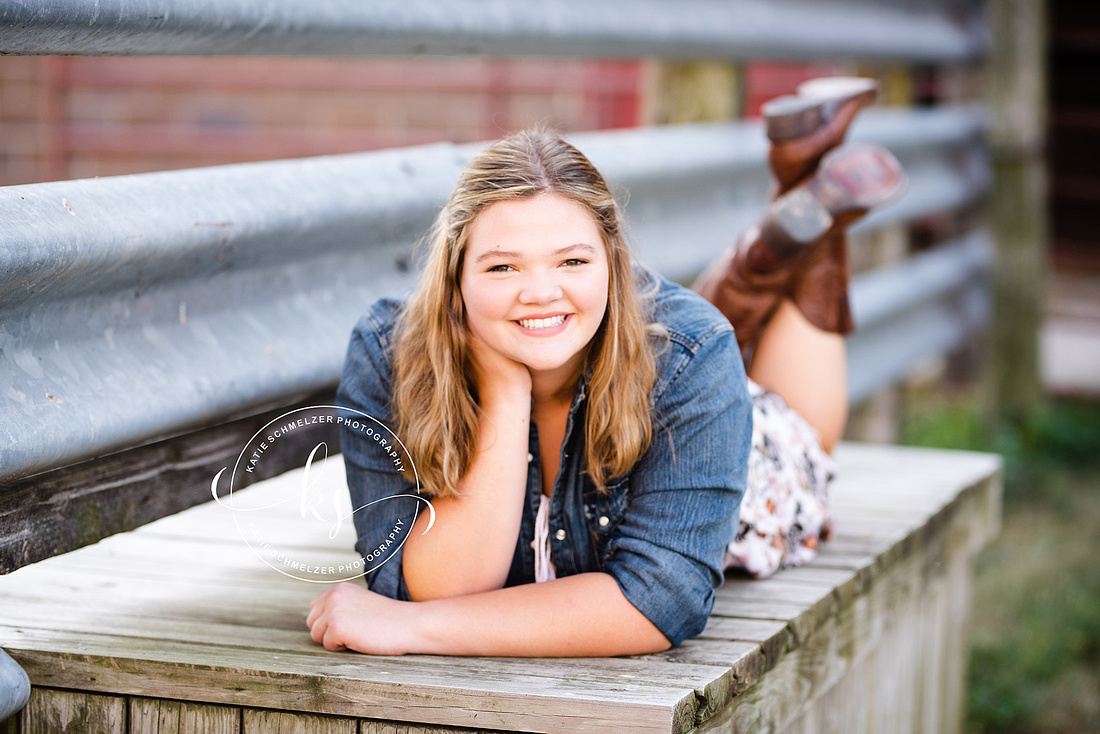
{"points": [[807, 367]]}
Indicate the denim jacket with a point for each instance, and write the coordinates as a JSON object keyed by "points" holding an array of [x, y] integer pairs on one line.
{"points": [[661, 530]]}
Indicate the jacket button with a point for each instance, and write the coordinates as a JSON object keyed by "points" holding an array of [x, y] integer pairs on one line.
{"points": [[560, 535], [534, 545], [530, 457], [604, 522]]}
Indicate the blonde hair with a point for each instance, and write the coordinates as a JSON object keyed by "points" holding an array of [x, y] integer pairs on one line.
{"points": [[435, 410]]}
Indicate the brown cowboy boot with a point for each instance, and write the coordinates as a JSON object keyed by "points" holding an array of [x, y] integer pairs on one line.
{"points": [[805, 126], [799, 250]]}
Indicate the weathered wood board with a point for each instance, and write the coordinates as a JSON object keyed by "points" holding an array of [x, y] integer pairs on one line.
{"points": [[181, 626]]}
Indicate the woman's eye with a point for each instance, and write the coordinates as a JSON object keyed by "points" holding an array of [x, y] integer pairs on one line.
{"points": [[499, 269], [573, 261]]}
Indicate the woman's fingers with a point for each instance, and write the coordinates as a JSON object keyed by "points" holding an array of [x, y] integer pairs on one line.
{"points": [[332, 643], [348, 616], [314, 612], [319, 618], [317, 628], [497, 371]]}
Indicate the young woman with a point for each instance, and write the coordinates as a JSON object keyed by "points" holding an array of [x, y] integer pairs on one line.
{"points": [[583, 426]]}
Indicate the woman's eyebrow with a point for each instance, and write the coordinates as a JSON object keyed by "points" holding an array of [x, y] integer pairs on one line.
{"points": [[573, 248], [492, 254]]}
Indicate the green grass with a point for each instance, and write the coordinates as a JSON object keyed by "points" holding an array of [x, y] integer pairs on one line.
{"points": [[1035, 643]]}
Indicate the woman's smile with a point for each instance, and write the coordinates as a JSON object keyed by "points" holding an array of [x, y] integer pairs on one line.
{"points": [[534, 281], [542, 324]]}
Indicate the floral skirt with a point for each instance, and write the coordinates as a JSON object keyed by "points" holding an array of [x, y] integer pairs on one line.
{"points": [[785, 511]]}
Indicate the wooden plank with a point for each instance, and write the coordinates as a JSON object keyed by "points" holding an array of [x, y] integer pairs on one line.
{"points": [[259, 721], [70, 712], [730, 605], [779, 588], [198, 563], [889, 628], [715, 693], [742, 661], [46, 617], [592, 676], [814, 574], [181, 610], [389, 727], [966, 467], [160, 716], [748, 630], [595, 694], [810, 669], [236, 566], [801, 617], [58, 511], [960, 580], [154, 601], [771, 637], [903, 615], [214, 626], [831, 557]]}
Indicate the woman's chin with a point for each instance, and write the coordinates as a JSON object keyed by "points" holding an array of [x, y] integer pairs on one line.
{"points": [[555, 370]]}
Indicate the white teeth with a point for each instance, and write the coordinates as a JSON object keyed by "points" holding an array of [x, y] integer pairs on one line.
{"points": [[542, 323]]}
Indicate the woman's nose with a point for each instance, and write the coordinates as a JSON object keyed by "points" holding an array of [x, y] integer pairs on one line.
{"points": [[540, 288]]}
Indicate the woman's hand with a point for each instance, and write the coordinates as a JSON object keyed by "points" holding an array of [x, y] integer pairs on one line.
{"points": [[582, 615], [348, 617], [497, 376]]}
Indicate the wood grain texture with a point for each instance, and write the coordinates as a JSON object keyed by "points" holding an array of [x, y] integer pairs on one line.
{"points": [[181, 616], [891, 660], [61, 510], [72, 712], [513, 694], [259, 721], [161, 716], [390, 727]]}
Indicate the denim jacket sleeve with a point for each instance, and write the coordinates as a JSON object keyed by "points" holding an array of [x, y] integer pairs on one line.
{"points": [[686, 491], [382, 524]]}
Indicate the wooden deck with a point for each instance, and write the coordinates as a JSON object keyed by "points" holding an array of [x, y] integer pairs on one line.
{"points": [[179, 626]]}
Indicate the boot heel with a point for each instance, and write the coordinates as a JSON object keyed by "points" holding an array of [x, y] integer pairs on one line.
{"points": [[793, 222], [790, 117], [858, 178], [797, 116], [849, 182]]}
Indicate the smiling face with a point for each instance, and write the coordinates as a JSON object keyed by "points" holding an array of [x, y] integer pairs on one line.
{"points": [[535, 281]]}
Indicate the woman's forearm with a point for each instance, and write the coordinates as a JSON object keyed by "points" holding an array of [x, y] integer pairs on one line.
{"points": [[470, 547], [582, 615]]}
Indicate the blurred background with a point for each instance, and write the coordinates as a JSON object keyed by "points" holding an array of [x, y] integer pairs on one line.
{"points": [[1035, 664]]}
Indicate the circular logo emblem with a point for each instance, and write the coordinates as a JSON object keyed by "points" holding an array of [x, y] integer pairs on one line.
{"points": [[291, 522]]}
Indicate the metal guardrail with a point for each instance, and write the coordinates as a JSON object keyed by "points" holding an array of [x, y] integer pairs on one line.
{"points": [[932, 304], [912, 31], [139, 307]]}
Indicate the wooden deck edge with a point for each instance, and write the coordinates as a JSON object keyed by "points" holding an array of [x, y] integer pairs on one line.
{"points": [[330, 684], [759, 683], [953, 535]]}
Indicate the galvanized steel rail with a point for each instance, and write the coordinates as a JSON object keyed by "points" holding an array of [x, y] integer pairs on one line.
{"points": [[139, 307], [792, 29]]}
